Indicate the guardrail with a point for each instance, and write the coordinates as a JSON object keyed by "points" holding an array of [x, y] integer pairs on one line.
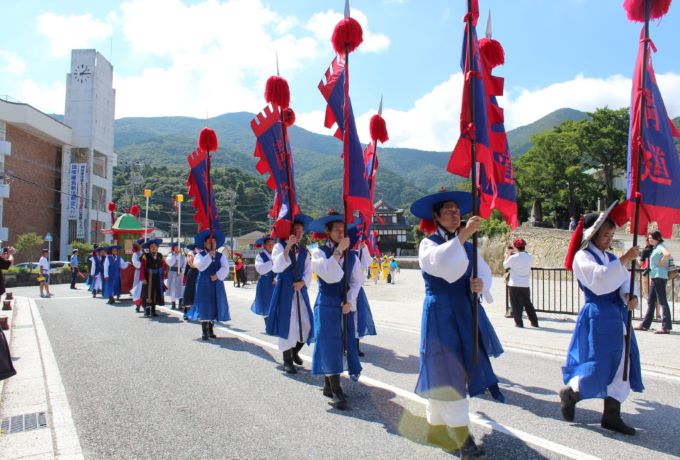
{"points": [[556, 290]]}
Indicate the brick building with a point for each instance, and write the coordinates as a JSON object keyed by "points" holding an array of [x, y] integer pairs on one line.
{"points": [[57, 176]]}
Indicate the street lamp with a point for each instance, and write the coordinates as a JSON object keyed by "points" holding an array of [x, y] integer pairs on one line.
{"points": [[147, 195], [179, 198]]}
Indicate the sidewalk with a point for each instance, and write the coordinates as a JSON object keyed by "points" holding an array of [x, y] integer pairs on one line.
{"points": [[34, 413]]}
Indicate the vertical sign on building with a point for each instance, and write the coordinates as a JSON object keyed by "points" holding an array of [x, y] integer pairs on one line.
{"points": [[73, 192], [82, 202]]}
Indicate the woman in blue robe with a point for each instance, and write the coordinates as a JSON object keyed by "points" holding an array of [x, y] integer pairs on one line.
{"points": [[210, 301], [266, 279], [447, 371], [113, 264], [595, 359]]}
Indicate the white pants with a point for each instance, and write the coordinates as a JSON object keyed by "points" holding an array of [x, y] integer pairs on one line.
{"points": [[450, 413], [293, 328], [174, 286]]}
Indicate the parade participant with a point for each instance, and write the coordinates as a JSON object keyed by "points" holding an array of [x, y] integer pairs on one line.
{"points": [[97, 271], [335, 307], [266, 279], [595, 359], [375, 269], [136, 291], [44, 274], [191, 275], [519, 264], [151, 275], [113, 264], [73, 263], [448, 373], [385, 269], [290, 314], [176, 262], [210, 301]]}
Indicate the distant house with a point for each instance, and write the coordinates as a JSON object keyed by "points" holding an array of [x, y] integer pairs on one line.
{"points": [[394, 231]]}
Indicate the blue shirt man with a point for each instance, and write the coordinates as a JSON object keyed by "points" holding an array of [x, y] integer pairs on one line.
{"points": [[74, 268]]}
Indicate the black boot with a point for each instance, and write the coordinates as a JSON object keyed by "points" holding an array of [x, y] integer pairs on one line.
{"points": [[470, 450], [611, 418], [288, 365], [111, 301], [180, 304], [296, 357], [359, 352], [569, 398], [339, 398], [327, 392], [153, 310], [186, 310], [137, 308], [172, 305], [204, 329], [147, 311], [94, 293], [211, 332]]}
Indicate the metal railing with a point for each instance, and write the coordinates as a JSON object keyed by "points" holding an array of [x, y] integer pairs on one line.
{"points": [[556, 290]]}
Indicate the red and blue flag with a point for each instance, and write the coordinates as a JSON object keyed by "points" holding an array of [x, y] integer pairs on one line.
{"points": [[200, 188]]}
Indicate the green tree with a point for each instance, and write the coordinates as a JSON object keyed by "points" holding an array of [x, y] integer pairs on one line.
{"points": [[27, 246]]}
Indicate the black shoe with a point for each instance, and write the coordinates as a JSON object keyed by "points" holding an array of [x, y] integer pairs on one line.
{"points": [[611, 418], [359, 352], [147, 312], [339, 398], [185, 317], [569, 398], [204, 329], [153, 310], [172, 305], [94, 294], [288, 365], [73, 287], [534, 325], [211, 332], [296, 357], [470, 450], [111, 301], [137, 308], [327, 392]]}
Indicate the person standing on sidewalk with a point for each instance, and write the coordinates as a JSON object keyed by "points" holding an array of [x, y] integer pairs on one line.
{"points": [[290, 314], [447, 374], [6, 260], [658, 273], [44, 274], [595, 358], [519, 281], [74, 268]]}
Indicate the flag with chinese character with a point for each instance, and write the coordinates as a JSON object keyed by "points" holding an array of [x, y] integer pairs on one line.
{"points": [[200, 189], [356, 194], [275, 158], [660, 167]]}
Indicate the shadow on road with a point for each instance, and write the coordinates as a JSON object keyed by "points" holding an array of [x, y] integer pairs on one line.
{"points": [[387, 359]]}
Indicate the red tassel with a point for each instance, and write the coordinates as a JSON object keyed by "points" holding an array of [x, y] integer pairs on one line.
{"points": [[288, 117], [134, 210], [574, 245], [277, 92], [111, 206], [492, 51], [315, 236], [207, 140], [635, 9], [428, 226], [378, 129], [348, 33]]}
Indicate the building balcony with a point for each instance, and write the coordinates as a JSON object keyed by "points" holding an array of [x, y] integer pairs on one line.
{"points": [[5, 148], [4, 191]]}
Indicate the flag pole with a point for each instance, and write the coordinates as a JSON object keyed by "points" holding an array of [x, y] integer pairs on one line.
{"points": [[473, 179], [638, 196], [345, 140]]}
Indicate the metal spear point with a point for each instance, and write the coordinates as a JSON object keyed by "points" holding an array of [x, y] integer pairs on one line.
{"points": [[277, 64], [346, 9], [380, 106], [488, 25]]}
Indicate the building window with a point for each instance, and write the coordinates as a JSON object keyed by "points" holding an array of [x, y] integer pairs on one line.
{"points": [[99, 164], [401, 238], [394, 219], [79, 155], [72, 231], [98, 198]]}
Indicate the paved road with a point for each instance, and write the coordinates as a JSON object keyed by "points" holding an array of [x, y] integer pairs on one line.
{"points": [[151, 389]]}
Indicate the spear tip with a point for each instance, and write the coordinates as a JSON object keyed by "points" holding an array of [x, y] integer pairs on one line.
{"points": [[346, 9], [380, 106], [488, 25]]}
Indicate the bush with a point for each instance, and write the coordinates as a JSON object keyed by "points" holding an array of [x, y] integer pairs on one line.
{"points": [[494, 226]]}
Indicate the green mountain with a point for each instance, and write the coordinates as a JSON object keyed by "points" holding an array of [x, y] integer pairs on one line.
{"points": [[519, 139]]}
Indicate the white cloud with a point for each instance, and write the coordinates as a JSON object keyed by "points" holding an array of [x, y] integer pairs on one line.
{"points": [[432, 123], [11, 63], [47, 98], [68, 32], [322, 25]]}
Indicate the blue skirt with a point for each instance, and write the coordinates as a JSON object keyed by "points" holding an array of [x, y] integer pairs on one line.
{"points": [[365, 324], [596, 348], [190, 287], [210, 302], [263, 294], [328, 357], [278, 316], [112, 285]]}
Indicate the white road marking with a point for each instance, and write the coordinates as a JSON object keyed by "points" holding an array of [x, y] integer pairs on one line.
{"points": [[64, 434], [474, 418]]}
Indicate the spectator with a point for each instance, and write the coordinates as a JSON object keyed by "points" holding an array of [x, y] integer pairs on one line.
{"points": [[520, 275], [6, 259], [658, 272], [644, 266], [44, 274], [394, 268], [572, 223], [74, 268], [532, 221]]}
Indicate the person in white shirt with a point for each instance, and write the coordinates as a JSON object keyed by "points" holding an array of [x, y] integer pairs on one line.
{"points": [[44, 274], [519, 264]]}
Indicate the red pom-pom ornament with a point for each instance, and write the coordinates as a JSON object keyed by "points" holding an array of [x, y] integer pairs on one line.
{"points": [[288, 117], [574, 245], [277, 92], [635, 9], [427, 226], [492, 51], [347, 34], [111, 206], [134, 210], [378, 129], [207, 140]]}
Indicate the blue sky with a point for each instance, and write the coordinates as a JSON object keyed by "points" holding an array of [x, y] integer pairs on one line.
{"points": [[175, 57]]}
